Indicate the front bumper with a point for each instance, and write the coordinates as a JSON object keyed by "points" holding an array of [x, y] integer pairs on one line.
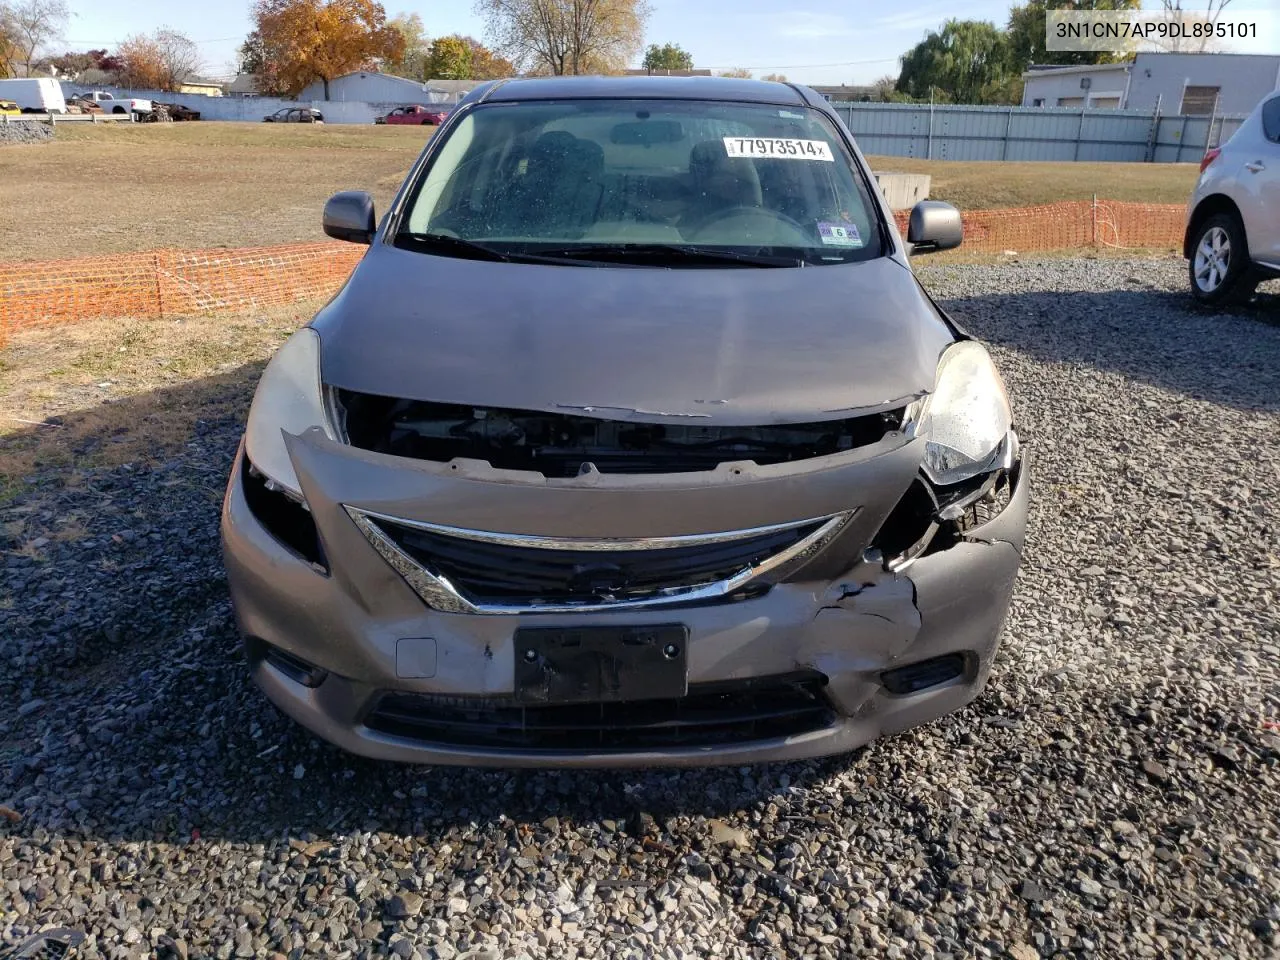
{"points": [[841, 617]]}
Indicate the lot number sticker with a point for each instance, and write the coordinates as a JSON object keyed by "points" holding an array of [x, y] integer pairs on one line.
{"points": [[783, 149]]}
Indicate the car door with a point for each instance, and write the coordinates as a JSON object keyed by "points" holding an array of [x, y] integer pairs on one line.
{"points": [[1260, 181]]}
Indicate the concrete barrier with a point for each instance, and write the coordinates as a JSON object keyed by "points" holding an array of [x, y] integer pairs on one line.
{"points": [[902, 191]]}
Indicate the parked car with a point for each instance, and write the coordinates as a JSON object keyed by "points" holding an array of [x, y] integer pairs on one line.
{"points": [[294, 115], [1232, 240], [632, 439], [177, 112], [415, 115], [34, 94], [141, 108], [9, 109]]}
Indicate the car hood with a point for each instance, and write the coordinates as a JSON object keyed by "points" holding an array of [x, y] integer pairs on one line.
{"points": [[728, 345]]}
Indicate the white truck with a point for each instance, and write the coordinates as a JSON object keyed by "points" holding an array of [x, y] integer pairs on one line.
{"points": [[138, 107], [34, 94]]}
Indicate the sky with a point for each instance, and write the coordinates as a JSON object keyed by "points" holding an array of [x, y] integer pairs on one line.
{"points": [[810, 41]]}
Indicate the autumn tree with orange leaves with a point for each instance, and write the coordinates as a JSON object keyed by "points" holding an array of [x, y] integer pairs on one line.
{"points": [[300, 41]]}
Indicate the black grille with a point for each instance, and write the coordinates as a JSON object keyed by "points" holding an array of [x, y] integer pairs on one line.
{"points": [[496, 572], [711, 714]]}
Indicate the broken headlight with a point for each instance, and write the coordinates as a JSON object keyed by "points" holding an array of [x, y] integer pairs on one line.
{"points": [[966, 418], [288, 399]]}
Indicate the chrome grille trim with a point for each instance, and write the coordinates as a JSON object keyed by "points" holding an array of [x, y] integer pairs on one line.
{"points": [[439, 594]]}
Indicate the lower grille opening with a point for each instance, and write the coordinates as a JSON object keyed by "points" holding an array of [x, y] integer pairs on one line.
{"points": [[711, 714], [293, 667], [562, 445], [283, 517], [927, 673]]}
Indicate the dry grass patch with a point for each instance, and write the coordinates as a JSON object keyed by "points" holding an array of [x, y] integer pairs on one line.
{"points": [[111, 189], [982, 185], [107, 392], [114, 188]]}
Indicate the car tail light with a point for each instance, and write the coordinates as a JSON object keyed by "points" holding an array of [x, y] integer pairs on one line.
{"points": [[1209, 156]]}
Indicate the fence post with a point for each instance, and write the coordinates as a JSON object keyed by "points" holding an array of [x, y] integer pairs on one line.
{"points": [[1182, 136], [929, 148], [1080, 131], [1008, 125], [1093, 233]]}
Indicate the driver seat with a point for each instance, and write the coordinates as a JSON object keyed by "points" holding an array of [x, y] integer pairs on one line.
{"points": [[720, 182]]}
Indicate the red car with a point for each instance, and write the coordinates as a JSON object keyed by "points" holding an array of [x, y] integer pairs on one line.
{"points": [[416, 114]]}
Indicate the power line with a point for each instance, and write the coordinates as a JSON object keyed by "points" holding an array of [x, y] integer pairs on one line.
{"points": [[804, 66], [111, 43]]}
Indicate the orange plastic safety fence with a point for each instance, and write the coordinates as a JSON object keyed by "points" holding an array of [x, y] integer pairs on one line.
{"points": [[1069, 224], [159, 283]]}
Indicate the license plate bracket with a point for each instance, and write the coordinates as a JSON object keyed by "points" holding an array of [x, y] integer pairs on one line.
{"points": [[601, 664]]}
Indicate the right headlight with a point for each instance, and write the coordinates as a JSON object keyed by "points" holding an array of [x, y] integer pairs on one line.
{"points": [[966, 418]]}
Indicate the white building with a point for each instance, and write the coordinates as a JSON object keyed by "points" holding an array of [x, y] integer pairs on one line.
{"points": [[369, 87], [1191, 84]]}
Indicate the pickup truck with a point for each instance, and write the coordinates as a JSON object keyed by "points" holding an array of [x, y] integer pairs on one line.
{"points": [[109, 104]]}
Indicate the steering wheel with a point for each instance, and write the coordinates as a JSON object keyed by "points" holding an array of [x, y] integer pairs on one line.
{"points": [[758, 214]]}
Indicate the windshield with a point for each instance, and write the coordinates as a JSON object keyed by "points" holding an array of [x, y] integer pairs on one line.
{"points": [[590, 178]]}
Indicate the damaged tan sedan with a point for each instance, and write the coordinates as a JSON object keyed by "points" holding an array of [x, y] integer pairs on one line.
{"points": [[631, 440]]}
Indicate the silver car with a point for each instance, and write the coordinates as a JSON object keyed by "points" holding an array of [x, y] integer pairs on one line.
{"points": [[1232, 240], [632, 439]]}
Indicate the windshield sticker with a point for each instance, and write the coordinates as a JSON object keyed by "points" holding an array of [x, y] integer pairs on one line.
{"points": [[782, 149], [843, 234]]}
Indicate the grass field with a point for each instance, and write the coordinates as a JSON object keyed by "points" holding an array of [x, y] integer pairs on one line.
{"points": [[103, 189], [100, 393], [979, 185]]}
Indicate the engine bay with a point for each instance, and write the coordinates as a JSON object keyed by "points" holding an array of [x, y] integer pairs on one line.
{"points": [[565, 445]]}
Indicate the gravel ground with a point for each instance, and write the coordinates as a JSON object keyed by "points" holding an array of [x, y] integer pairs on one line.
{"points": [[1115, 792], [25, 131]]}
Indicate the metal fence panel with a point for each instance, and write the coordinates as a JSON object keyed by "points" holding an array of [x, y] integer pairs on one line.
{"points": [[951, 132]]}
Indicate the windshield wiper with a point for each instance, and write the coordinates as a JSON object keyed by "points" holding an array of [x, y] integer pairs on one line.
{"points": [[448, 246], [663, 253]]}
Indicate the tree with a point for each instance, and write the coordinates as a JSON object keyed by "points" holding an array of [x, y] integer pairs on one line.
{"points": [[141, 63], [1026, 31], [30, 25], [74, 64], [165, 60], [669, 56], [487, 65], [179, 58], [1174, 13], [252, 55], [742, 73], [417, 48], [450, 59], [307, 40], [566, 36], [968, 61], [775, 77], [885, 87], [9, 52]]}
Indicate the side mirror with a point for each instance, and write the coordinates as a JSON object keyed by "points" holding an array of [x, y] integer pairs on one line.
{"points": [[934, 226], [349, 216]]}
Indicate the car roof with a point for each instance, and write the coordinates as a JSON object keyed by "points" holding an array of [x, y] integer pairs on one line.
{"points": [[640, 88]]}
